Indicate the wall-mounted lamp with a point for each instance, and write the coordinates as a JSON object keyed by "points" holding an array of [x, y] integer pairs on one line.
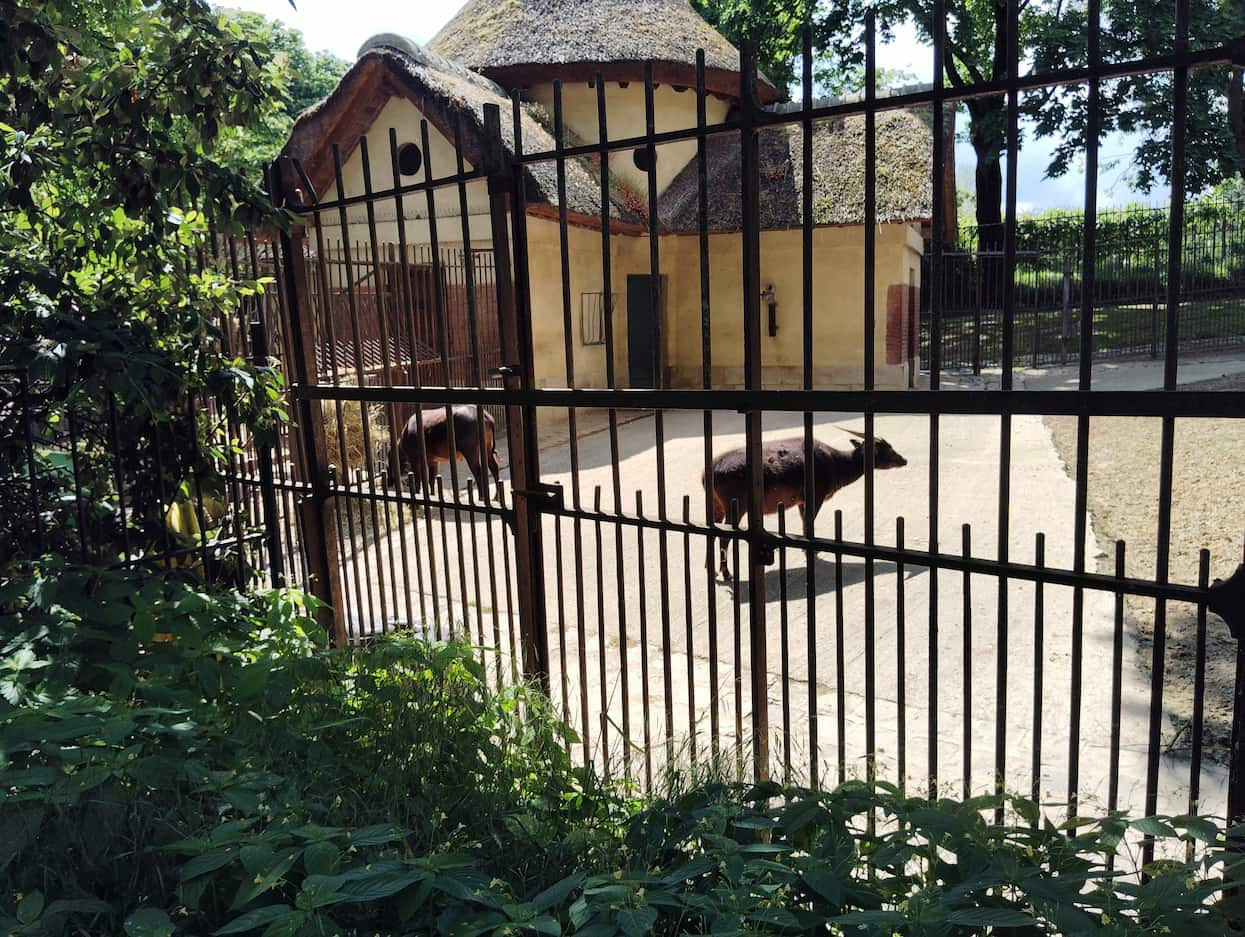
{"points": [[767, 297]]}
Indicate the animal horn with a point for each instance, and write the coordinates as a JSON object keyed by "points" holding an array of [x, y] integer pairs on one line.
{"points": [[854, 432]]}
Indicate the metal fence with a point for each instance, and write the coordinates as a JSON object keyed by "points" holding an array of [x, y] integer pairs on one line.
{"points": [[1127, 296], [946, 627]]}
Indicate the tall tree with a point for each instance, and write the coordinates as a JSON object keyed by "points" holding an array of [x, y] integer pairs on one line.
{"points": [[110, 115], [976, 51], [1142, 105], [306, 77]]}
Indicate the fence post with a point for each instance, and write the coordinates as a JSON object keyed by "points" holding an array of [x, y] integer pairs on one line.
{"points": [[978, 303], [1065, 322], [316, 508], [267, 483], [514, 319], [751, 236]]}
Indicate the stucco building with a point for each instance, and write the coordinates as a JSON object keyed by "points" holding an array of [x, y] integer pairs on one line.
{"points": [[494, 48]]}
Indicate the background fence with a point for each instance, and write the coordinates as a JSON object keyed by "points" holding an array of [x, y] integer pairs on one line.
{"points": [[1129, 292]]}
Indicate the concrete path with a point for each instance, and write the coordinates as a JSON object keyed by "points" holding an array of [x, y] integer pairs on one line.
{"points": [[629, 625]]}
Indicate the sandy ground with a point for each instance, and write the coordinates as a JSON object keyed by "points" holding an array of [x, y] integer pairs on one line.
{"points": [[1208, 512]]}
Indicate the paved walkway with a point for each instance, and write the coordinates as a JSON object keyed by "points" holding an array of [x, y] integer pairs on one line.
{"points": [[616, 612]]}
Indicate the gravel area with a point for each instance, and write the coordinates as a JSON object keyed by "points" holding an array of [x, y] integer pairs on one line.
{"points": [[1208, 511]]}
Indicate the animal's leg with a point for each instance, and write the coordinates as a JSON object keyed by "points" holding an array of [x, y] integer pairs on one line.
{"points": [[494, 467], [477, 470], [432, 476]]}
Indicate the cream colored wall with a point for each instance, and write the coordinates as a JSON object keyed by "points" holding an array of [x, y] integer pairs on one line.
{"points": [[838, 311], [402, 115], [625, 117]]}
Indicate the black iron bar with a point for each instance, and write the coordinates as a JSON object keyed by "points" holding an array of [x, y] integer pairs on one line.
{"points": [[870, 366], [966, 666], [601, 658], [901, 665], [1188, 404], [706, 377], [420, 470], [1001, 638], [659, 415], [382, 320], [806, 295], [840, 663], [443, 334], [348, 276], [1086, 350], [1039, 663], [1162, 550], [737, 644], [785, 649], [688, 637], [642, 598], [1117, 674], [938, 211]]}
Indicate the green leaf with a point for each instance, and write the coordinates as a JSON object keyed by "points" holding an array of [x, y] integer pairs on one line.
{"points": [[377, 835], [30, 907], [208, 862], [379, 883], [1153, 826], [321, 858], [260, 917], [636, 922], [287, 926], [1199, 828], [249, 890], [825, 884], [991, 917], [556, 894], [1027, 810], [149, 922]]}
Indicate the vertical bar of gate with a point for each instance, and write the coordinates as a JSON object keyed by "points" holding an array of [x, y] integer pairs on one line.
{"points": [[751, 262], [1005, 421], [572, 423], [935, 367], [706, 379], [870, 363], [319, 522], [1175, 251], [659, 421], [806, 294], [267, 485], [1086, 351], [514, 318], [611, 380]]}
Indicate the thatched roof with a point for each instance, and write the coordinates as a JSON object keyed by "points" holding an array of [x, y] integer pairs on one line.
{"points": [[441, 89], [904, 147], [521, 42]]}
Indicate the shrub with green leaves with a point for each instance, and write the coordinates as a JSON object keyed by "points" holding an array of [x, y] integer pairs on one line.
{"points": [[140, 716]]}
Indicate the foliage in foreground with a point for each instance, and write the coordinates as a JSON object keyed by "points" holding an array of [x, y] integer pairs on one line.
{"points": [[181, 762]]}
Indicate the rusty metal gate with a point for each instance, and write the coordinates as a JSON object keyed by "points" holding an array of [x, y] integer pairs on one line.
{"points": [[976, 643]]}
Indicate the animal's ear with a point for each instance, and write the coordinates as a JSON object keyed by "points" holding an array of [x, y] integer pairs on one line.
{"points": [[856, 443]]}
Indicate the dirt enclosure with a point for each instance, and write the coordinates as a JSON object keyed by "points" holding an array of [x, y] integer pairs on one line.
{"points": [[1208, 511]]}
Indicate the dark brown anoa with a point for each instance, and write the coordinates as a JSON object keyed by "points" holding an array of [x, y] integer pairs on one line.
{"points": [[782, 471], [436, 444]]}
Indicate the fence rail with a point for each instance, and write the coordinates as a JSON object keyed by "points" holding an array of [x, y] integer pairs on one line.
{"points": [[1127, 297]]}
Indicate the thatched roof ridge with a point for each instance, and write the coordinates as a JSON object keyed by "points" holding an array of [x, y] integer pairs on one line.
{"points": [[441, 89], [904, 184], [519, 42]]}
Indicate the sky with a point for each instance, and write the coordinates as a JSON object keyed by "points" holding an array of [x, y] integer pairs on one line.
{"points": [[342, 28]]}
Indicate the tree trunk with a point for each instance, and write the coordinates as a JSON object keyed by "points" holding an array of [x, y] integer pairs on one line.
{"points": [[987, 133], [1236, 115]]}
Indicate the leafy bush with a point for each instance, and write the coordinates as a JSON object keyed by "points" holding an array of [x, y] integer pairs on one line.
{"points": [[179, 761], [140, 716]]}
